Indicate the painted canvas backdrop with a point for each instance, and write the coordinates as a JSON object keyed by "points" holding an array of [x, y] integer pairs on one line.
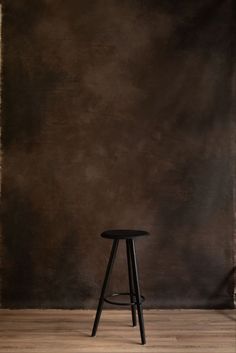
{"points": [[117, 114]]}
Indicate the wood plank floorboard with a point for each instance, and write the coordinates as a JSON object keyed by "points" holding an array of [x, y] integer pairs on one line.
{"points": [[68, 331]]}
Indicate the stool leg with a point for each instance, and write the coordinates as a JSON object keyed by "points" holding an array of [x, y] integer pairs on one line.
{"points": [[131, 285], [137, 290], [105, 284]]}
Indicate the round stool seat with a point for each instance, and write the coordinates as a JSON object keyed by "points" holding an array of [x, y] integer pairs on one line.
{"points": [[123, 234]]}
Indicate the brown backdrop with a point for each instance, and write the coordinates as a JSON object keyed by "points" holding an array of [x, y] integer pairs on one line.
{"points": [[117, 114]]}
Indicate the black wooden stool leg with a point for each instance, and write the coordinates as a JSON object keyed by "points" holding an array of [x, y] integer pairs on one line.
{"points": [[131, 285], [137, 290], [105, 284]]}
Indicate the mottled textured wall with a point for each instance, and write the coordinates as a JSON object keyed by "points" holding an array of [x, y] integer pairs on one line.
{"points": [[1, 259], [117, 114]]}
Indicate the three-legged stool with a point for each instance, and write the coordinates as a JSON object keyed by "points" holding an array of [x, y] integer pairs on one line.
{"points": [[136, 298]]}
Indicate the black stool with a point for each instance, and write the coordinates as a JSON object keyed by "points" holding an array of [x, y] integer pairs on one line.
{"points": [[136, 298]]}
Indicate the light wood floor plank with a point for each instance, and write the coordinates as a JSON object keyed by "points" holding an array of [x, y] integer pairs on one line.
{"points": [[68, 331]]}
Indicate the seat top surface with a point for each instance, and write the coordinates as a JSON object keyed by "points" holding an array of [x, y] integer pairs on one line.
{"points": [[123, 233]]}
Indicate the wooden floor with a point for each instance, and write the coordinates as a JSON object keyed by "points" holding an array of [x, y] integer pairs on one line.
{"points": [[168, 331]]}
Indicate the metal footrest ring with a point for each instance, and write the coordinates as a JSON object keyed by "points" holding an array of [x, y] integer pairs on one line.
{"points": [[106, 299]]}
